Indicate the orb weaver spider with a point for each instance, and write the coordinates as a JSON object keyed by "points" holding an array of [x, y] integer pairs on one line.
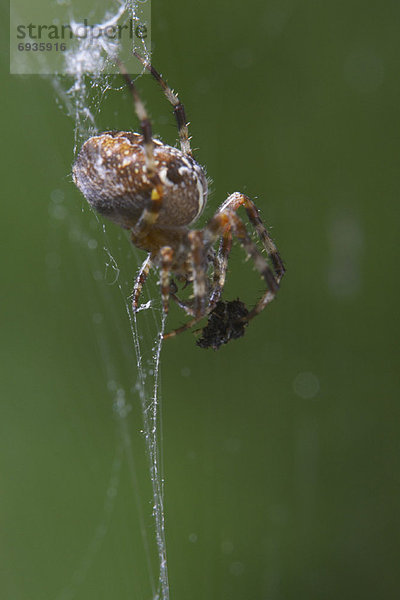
{"points": [[157, 191]]}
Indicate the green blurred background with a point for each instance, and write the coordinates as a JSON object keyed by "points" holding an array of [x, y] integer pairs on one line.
{"points": [[280, 451]]}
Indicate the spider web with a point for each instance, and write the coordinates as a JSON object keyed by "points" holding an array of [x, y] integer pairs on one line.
{"points": [[103, 274]]}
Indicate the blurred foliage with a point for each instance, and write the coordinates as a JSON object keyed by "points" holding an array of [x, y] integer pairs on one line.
{"points": [[281, 449]]}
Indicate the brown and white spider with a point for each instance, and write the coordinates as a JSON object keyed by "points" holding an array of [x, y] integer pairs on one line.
{"points": [[158, 191]]}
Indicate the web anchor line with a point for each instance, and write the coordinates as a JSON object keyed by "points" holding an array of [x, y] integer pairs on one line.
{"points": [[151, 414]]}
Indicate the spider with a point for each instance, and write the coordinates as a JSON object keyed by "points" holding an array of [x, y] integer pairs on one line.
{"points": [[157, 191]]}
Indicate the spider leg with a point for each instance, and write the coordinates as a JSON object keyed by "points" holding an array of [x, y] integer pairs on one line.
{"points": [[182, 304], [225, 223], [199, 284], [227, 218], [166, 254], [235, 201], [145, 123], [150, 214], [179, 110], [218, 226], [260, 264], [184, 327], [166, 260], [139, 282], [220, 267], [199, 273]]}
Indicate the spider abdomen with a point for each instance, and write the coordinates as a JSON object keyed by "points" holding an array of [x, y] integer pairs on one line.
{"points": [[111, 172]]}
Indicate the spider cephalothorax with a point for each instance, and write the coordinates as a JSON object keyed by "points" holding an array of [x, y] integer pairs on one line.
{"points": [[157, 192]]}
